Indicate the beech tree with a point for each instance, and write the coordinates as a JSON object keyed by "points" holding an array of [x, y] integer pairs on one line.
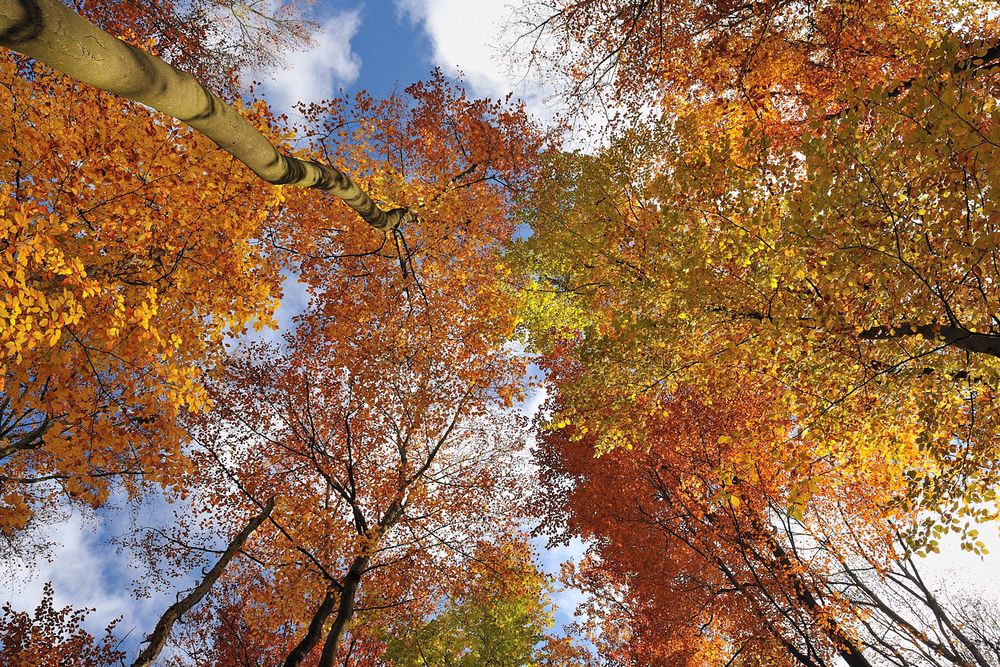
{"points": [[126, 273], [425, 384], [693, 561], [117, 294], [387, 468], [769, 299], [497, 616], [810, 203], [500, 614], [376, 450], [381, 427], [161, 633]]}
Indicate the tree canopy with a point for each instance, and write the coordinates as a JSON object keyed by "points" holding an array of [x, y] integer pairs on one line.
{"points": [[763, 299]]}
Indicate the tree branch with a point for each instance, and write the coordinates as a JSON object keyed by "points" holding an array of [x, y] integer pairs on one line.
{"points": [[961, 338], [52, 33], [161, 633]]}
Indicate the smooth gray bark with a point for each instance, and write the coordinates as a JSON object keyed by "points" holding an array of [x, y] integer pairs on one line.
{"points": [[51, 33]]}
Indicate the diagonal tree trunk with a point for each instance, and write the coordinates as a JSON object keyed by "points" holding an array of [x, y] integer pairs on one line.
{"points": [[52, 33], [963, 339], [161, 633]]}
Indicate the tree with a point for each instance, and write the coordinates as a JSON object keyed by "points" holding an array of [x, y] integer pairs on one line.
{"points": [[105, 349], [781, 224], [381, 432], [977, 617], [161, 633], [765, 62], [117, 294], [53, 637], [697, 558], [810, 242], [383, 474], [382, 426]]}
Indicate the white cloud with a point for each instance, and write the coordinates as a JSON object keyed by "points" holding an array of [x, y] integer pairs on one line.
{"points": [[472, 39], [316, 72], [89, 572], [960, 572], [487, 43], [464, 35]]}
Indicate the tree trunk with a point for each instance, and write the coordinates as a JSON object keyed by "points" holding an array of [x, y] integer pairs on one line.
{"points": [[348, 592], [958, 337], [845, 646], [161, 633], [345, 611], [52, 33], [315, 631]]}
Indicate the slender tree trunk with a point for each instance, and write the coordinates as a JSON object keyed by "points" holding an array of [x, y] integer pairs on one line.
{"points": [[917, 636], [845, 646], [345, 601], [315, 631], [945, 619], [958, 337], [345, 611], [52, 33], [161, 633], [791, 648]]}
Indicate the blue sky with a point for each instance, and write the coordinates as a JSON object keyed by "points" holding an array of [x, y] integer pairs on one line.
{"points": [[379, 45], [392, 53]]}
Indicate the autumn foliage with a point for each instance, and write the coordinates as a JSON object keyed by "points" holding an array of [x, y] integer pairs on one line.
{"points": [[832, 247], [764, 301], [787, 236], [53, 636], [123, 277]]}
